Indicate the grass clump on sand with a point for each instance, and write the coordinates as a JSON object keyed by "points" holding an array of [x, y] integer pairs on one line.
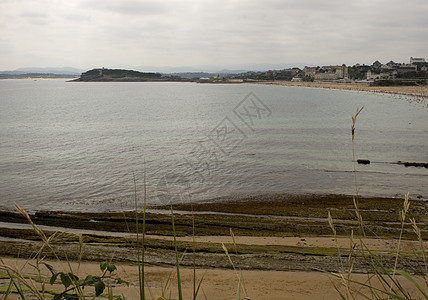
{"points": [[64, 284], [381, 282]]}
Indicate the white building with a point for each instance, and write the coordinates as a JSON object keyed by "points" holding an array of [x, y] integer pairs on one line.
{"points": [[414, 60], [372, 76]]}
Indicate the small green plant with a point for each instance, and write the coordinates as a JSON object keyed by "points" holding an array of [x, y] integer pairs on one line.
{"points": [[72, 283], [73, 286]]}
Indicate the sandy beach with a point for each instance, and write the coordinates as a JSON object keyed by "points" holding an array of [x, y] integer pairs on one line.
{"points": [[409, 91], [216, 284], [282, 244]]}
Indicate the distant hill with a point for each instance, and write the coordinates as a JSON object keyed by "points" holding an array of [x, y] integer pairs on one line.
{"points": [[219, 69], [61, 70], [119, 75], [11, 73], [65, 72], [34, 75], [193, 75]]}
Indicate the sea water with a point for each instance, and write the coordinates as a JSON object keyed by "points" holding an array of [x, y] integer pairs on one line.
{"points": [[80, 146]]}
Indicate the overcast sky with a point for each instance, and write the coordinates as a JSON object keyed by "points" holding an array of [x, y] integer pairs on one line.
{"points": [[224, 33]]}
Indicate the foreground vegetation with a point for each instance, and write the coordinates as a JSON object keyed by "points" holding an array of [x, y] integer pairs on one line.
{"points": [[161, 249]]}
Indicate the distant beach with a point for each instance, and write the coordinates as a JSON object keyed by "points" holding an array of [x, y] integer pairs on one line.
{"points": [[413, 91]]}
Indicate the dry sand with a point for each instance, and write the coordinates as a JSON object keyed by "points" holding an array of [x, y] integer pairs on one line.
{"points": [[412, 91], [323, 242], [217, 283]]}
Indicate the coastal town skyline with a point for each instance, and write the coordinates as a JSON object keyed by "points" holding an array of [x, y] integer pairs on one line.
{"points": [[391, 64], [228, 35]]}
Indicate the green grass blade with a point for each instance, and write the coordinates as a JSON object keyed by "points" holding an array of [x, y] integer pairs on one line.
{"points": [[18, 289], [392, 295], [139, 250], [166, 284], [199, 285], [195, 293], [180, 296], [409, 278], [238, 290], [144, 231], [339, 292], [110, 292], [6, 294], [74, 279], [381, 272]]}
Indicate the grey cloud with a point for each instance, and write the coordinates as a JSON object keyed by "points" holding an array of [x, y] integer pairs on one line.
{"points": [[35, 18], [76, 17], [130, 7], [34, 15], [226, 31]]}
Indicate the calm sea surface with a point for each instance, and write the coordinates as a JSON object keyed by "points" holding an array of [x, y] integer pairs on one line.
{"points": [[78, 146]]}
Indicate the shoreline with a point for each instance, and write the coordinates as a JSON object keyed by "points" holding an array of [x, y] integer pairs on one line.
{"points": [[410, 91], [185, 207], [270, 230]]}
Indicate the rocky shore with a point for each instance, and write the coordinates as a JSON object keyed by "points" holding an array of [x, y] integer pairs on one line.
{"points": [[279, 233]]}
